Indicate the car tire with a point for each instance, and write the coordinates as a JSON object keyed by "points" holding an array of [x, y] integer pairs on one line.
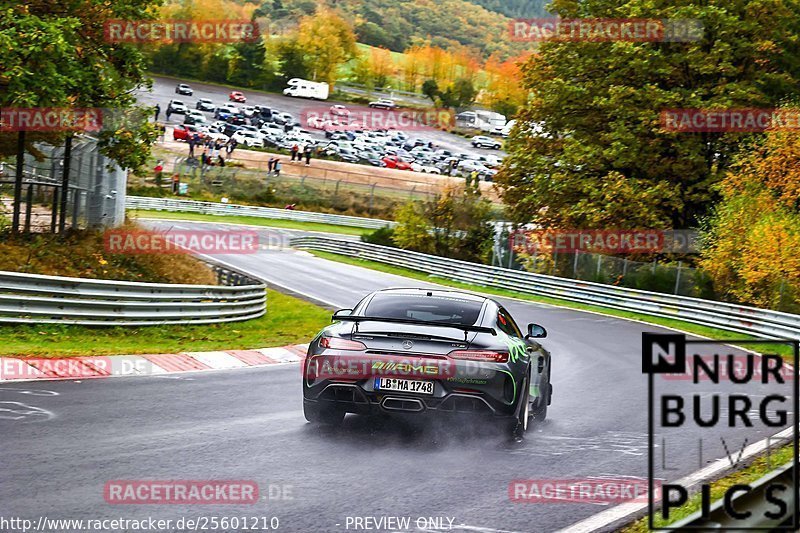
{"points": [[539, 413], [322, 415], [518, 426]]}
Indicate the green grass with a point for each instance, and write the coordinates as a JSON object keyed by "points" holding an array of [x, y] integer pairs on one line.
{"points": [[252, 221], [714, 333], [756, 470], [288, 321]]}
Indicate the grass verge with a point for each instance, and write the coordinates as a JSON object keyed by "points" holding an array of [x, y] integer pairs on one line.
{"points": [[688, 327], [252, 221], [760, 467], [288, 321]]}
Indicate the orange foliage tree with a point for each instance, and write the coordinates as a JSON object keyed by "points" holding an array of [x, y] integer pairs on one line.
{"points": [[752, 239]]}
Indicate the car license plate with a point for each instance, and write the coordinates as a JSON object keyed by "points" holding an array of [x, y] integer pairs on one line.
{"points": [[404, 385]]}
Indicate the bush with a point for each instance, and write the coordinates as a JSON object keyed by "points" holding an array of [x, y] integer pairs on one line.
{"points": [[88, 258], [383, 236], [458, 225]]}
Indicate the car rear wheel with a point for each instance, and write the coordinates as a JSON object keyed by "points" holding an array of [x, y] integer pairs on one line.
{"points": [[323, 415], [519, 425], [540, 411]]}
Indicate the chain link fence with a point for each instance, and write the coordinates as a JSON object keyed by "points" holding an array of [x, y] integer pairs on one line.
{"points": [[94, 196], [662, 274], [352, 193]]}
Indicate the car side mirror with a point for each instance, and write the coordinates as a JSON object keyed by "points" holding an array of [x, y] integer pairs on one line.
{"points": [[341, 313], [536, 331]]}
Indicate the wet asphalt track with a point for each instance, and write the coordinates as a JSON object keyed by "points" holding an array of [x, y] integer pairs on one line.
{"points": [[62, 441]]}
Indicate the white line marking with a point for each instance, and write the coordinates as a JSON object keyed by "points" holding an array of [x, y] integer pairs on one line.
{"points": [[620, 512]]}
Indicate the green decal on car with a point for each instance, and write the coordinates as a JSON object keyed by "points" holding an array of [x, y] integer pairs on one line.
{"points": [[516, 348]]}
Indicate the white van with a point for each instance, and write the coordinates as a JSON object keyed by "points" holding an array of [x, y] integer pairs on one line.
{"points": [[307, 89]]}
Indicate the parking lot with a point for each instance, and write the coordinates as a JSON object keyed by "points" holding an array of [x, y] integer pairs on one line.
{"points": [[281, 122]]}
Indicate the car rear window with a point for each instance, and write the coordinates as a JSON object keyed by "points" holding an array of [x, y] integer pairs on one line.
{"points": [[453, 310]]}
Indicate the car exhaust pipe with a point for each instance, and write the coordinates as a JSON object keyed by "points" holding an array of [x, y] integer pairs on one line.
{"points": [[403, 404]]}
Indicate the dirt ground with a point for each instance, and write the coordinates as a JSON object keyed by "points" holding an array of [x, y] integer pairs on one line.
{"points": [[402, 180]]}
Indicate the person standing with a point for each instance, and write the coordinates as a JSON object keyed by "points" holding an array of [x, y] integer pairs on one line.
{"points": [[158, 112], [159, 172], [176, 183], [191, 141], [308, 155], [270, 165], [277, 166], [295, 149], [169, 112]]}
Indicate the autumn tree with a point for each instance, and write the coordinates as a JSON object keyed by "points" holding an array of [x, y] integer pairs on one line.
{"points": [[752, 238], [56, 55], [503, 91], [327, 41], [590, 143]]}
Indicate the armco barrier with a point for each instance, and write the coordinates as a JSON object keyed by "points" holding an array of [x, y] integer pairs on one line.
{"points": [[742, 319], [213, 208], [30, 298]]}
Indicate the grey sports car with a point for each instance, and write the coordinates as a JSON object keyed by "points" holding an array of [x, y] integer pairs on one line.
{"points": [[427, 351]]}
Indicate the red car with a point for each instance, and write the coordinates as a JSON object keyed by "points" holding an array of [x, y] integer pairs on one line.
{"points": [[181, 132], [236, 96], [392, 161]]}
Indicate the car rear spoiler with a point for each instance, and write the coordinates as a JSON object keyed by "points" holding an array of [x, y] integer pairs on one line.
{"points": [[462, 327]]}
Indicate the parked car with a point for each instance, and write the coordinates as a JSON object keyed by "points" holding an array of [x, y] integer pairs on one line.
{"points": [[225, 110], [410, 144], [249, 111], [248, 138], [264, 112], [481, 141], [184, 89], [346, 154], [468, 166], [338, 110], [383, 103], [193, 116], [181, 132], [425, 168], [236, 96], [230, 129], [283, 118], [392, 161], [177, 107], [491, 161], [204, 104], [271, 128], [237, 119]]}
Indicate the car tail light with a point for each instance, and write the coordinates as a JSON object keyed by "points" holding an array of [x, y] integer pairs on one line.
{"points": [[480, 355], [335, 343]]}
